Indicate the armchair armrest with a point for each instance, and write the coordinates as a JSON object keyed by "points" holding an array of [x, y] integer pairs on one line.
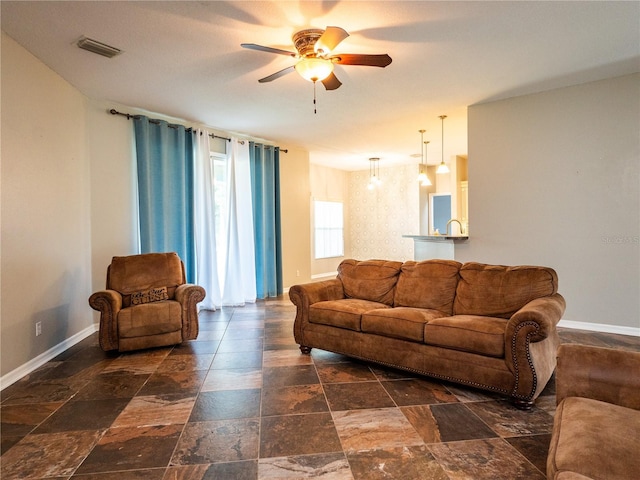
{"points": [[604, 374], [109, 304], [189, 295]]}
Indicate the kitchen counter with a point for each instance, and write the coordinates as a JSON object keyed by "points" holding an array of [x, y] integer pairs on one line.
{"points": [[436, 238], [426, 247]]}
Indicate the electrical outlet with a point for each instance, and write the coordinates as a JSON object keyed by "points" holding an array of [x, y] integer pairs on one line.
{"points": [[38, 329], [297, 273]]}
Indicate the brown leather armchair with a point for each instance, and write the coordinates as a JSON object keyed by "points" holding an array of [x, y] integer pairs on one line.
{"points": [[596, 429], [146, 303]]}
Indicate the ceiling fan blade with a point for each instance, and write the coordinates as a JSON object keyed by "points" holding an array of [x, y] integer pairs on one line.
{"points": [[262, 48], [330, 39], [277, 75], [362, 59], [331, 82]]}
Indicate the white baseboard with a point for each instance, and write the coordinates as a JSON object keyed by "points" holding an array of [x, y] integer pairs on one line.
{"points": [[25, 369], [600, 327]]}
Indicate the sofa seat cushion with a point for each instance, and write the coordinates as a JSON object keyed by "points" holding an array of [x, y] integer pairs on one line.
{"points": [[594, 439], [400, 322], [150, 319], [373, 280], [344, 313], [499, 291], [469, 333], [427, 284]]}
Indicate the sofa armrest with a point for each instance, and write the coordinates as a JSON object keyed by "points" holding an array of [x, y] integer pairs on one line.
{"points": [[303, 296], [541, 315], [189, 295], [531, 340], [310, 293], [604, 374], [109, 304]]}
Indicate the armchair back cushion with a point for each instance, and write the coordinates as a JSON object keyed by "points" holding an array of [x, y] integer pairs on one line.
{"points": [[428, 284], [499, 291], [142, 276], [372, 280]]}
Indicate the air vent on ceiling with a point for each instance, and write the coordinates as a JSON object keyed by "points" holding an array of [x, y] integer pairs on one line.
{"points": [[98, 47]]}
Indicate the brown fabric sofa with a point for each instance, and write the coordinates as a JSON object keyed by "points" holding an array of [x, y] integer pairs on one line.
{"points": [[488, 326], [596, 429], [147, 303]]}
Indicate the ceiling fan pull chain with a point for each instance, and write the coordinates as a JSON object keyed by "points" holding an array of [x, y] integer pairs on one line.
{"points": [[315, 112]]}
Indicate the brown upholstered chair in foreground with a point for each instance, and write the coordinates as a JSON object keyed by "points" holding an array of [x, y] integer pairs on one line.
{"points": [[147, 303], [596, 429]]}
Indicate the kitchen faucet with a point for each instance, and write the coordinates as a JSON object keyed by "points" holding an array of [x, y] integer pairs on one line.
{"points": [[455, 220]]}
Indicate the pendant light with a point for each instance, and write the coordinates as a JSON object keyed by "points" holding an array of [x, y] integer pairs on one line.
{"points": [[423, 178], [374, 173], [442, 168]]}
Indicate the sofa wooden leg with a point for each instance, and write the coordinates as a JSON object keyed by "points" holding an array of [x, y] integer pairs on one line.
{"points": [[522, 404], [304, 349]]}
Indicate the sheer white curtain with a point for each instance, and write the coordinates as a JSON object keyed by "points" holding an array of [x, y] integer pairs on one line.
{"points": [[228, 276], [205, 230], [240, 269]]}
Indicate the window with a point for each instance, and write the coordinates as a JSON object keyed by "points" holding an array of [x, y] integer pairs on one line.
{"points": [[220, 193], [328, 229], [440, 211]]}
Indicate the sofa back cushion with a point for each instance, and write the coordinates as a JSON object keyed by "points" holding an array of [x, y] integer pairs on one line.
{"points": [[428, 284], [499, 291], [373, 280]]}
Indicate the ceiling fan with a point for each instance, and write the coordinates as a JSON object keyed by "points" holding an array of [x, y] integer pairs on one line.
{"points": [[315, 61]]}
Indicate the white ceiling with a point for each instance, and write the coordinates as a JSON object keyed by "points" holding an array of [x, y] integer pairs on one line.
{"points": [[184, 59]]}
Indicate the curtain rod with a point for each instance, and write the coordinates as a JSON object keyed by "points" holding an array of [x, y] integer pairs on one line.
{"points": [[113, 111]]}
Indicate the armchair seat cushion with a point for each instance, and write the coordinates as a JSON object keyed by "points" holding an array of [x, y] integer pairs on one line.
{"points": [[400, 322], [469, 333], [345, 313], [591, 437], [150, 319]]}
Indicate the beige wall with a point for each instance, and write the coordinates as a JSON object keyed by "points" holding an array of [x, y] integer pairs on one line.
{"points": [[554, 180], [46, 238], [114, 230], [294, 208], [329, 185]]}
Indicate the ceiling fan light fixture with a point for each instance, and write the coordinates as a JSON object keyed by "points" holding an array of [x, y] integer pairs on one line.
{"points": [[314, 69]]}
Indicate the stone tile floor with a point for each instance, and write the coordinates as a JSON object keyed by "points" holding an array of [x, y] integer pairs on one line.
{"points": [[241, 402]]}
